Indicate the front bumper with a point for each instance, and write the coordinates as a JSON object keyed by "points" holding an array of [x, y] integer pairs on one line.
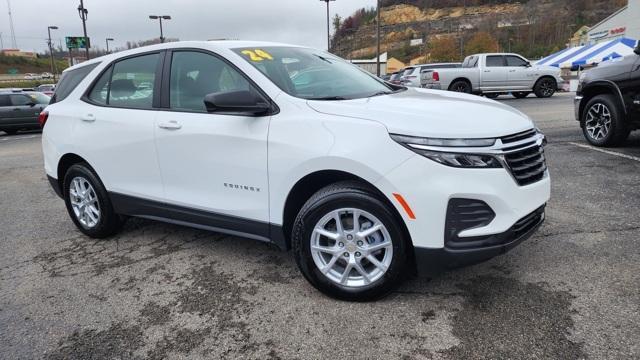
{"points": [[431, 261]]}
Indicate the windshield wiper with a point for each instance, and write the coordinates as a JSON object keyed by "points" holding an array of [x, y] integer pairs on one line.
{"points": [[379, 93], [329, 98]]}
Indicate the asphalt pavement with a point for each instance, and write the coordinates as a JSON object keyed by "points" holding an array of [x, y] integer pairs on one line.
{"points": [[572, 291]]}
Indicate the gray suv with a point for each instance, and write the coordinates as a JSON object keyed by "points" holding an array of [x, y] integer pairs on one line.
{"points": [[19, 110]]}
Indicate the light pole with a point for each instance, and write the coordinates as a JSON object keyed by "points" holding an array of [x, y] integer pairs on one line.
{"points": [[83, 12], [49, 28], [107, 41], [328, 28], [160, 17], [378, 40]]}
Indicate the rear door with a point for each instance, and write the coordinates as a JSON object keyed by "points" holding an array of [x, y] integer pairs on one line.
{"points": [[114, 127], [494, 73]]}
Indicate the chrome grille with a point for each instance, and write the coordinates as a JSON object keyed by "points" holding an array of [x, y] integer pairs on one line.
{"points": [[525, 160]]}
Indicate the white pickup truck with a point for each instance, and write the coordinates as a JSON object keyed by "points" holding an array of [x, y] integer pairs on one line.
{"points": [[495, 74]]}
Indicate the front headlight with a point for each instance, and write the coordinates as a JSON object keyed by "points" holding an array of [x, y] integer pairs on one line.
{"points": [[451, 158]]}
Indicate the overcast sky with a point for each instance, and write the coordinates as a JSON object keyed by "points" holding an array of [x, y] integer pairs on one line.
{"points": [[293, 21]]}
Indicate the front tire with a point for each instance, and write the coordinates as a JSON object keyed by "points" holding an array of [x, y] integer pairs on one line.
{"points": [[88, 203], [492, 95], [11, 132], [349, 244], [545, 87], [603, 123]]}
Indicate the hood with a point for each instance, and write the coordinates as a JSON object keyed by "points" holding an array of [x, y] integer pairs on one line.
{"points": [[432, 113]]}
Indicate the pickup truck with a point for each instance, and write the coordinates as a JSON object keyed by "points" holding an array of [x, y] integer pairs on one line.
{"points": [[607, 102], [495, 74]]}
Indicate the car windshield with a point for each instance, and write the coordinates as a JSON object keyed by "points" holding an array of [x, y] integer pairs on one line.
{"points": [[313, 74]]}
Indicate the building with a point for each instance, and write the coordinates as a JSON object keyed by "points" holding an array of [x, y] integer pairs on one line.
{"points": [[580, 37], [371, 65], [19, 53], [623, 23]]}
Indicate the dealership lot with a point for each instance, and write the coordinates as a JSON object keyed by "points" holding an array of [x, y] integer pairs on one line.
{"points": [[571, 291]]}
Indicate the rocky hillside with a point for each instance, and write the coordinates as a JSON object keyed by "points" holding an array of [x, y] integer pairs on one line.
{"points": [[451, 29]]}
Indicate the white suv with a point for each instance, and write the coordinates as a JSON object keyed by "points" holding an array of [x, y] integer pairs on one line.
{"points": [[365, 181]]}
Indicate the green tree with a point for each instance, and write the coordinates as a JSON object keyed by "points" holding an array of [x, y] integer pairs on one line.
{"points": [[337, 23]]}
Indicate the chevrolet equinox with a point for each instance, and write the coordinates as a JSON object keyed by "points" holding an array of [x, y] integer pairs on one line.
{"points": [[364, 180]]}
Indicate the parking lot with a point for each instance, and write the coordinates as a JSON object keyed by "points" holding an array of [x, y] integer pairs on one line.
{"points": [[572, 291]]}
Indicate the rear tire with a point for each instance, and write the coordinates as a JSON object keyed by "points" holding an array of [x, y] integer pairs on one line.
{"points": [[88, 203], [335, 259], [10, 132], [520, 94], [492, 95], [545, 87], [460, 86], [603, 122]]}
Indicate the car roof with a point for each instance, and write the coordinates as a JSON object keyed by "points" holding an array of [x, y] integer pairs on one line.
{"points": [[210, 44]]}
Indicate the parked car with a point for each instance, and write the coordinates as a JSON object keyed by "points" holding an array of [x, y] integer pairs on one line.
{"points": [[364, 180], [31, 76], [607, 102], [395, 78], [47, 89], [411, 74], [20, 110], [46, 75], [495, 74]]}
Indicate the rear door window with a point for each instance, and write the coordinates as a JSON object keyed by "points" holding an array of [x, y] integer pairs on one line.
{"points": [[69, 81], [495, 61]]}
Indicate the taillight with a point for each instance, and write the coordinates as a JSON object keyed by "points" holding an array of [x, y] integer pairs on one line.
{"points": [[435, 76], [42, 118]]}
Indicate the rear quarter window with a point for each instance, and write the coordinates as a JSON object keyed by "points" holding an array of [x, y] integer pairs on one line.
{"points": [[69, 81]]}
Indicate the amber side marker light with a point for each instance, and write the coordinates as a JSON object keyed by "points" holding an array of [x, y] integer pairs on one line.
{"points": [[405, 206]]}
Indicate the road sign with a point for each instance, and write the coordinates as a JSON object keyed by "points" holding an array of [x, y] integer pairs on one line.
{"points": [[77, 42]]}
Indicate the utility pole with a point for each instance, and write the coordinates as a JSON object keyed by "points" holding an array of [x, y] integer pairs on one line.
{"points": [[1, 42], [378, 40], [328, 27], [14, 44], [83, 12], [53, 71]]}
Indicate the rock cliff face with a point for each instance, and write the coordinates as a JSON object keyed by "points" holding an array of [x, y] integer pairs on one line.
{"points": [[533, 28]]}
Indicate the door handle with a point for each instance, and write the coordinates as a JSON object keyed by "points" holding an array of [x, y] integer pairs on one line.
{"points": [[16, 109], [487, 71], [89, 118], [171, 125]]}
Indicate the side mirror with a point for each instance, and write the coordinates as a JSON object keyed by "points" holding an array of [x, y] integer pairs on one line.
{"points": [[32, 104], [528, 64], [241, 102], [637, 50]]}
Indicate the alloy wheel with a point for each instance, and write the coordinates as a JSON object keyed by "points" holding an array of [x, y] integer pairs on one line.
{"points": [[84, 202], [598, 121], [351, 247], [546, 88]]}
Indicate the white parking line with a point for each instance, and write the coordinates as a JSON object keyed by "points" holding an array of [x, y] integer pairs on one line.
{"points": [[630, 157], [7, 138]]}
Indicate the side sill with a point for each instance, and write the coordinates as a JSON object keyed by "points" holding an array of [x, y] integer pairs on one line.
{"points": [[199, 219]]}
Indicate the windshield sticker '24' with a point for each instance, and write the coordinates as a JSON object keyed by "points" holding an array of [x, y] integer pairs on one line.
{"points": [[257, 55]]}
